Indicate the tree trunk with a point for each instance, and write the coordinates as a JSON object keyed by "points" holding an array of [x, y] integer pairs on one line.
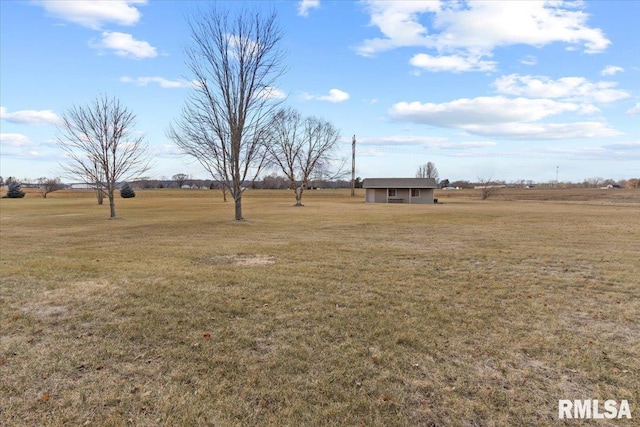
{"points": [[224, 193], [112, 205], [238, 203], [99, 196], [299, 191]]}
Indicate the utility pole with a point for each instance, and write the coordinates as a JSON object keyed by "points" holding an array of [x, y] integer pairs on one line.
{"points": [[353, 166], [557, 169]]}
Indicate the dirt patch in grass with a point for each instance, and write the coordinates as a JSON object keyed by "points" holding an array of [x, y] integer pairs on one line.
{"points": [[255, 260], [44, 310]]}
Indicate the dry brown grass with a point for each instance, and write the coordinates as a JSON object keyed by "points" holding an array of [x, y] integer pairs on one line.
{"points": [[466, 313]]}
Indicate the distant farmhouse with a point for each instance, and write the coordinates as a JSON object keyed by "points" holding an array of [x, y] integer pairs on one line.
{"points": [[399, 190]]}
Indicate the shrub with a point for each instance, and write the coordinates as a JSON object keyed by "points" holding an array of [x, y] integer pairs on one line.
{"points": [[126, 192], [14, 191]]}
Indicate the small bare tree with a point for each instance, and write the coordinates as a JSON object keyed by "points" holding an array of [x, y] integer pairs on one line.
{"points": [[48, 185], [101, 145], [300, 147], [487, 187], [428, 170], [235, 62]]}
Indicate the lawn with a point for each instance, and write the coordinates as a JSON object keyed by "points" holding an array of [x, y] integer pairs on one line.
{"points": [[462, 313]]}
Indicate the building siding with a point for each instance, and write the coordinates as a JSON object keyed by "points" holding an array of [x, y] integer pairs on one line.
{"points": [[379, 195], [377, 190]]}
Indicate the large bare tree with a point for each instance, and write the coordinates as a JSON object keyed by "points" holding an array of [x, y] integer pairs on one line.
{"points": [[102, 146], [235, 61], [428, 170], [300, 147]]}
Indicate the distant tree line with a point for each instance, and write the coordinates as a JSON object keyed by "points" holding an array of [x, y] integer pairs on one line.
{"points": [[279, 182], [273, 181]]}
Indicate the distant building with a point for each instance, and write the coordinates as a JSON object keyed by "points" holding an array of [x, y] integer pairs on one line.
{"points": [[81, 186], [399, 190]]}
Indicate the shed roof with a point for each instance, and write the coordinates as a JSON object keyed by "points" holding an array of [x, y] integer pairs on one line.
{"points": [[399, 183]]}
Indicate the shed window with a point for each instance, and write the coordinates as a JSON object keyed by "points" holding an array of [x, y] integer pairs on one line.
{"points": [[415, 192], [391, 192]]}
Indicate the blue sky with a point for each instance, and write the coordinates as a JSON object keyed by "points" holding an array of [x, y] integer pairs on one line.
{"points": [[504, 89]]}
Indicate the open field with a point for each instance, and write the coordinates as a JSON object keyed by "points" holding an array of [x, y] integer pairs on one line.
{"points": [[464, 313]]}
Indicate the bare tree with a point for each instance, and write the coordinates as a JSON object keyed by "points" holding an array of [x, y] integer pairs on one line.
{"points": [[300, 147], [594, 182], [235, 62], [487, 187], [49, 185], [180, 179], [428, 170], [102, 146]]}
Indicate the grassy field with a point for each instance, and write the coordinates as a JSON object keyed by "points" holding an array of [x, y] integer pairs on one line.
{"points": [[463, 313]]}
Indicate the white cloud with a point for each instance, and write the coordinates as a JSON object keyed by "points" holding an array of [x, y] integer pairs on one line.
{"points": [[529, 60], [400, 24], [635, 111], [13, 140], [503, 117], [124, 45], [161, 81], [454, 63], [271, 92], [168, 151], [624, 146], [624, 151], [531, 131], [470, 31], [305, 5], [610, 70], [94, 14], [402, 140], [486, 110], [30, 117], [335, 95], [489, 24], [19, 146], [430, 142], [370, 152], [467, 145], [566, 88]]}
